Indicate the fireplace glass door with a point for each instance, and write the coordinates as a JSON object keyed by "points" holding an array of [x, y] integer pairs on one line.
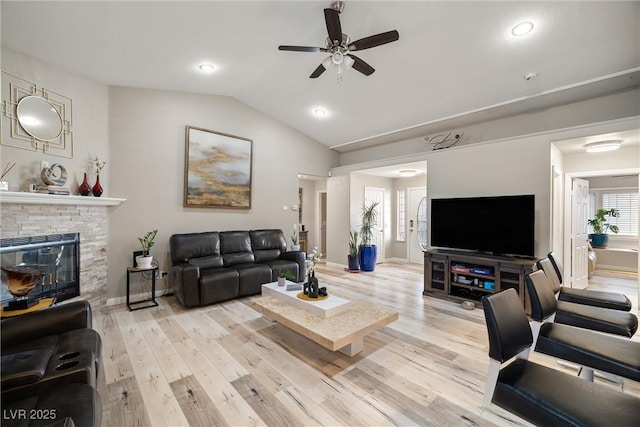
{"points": [[55, 258]]}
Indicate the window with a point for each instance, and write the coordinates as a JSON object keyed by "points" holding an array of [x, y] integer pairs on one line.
{"points": [[401, 234], [627, 204]]}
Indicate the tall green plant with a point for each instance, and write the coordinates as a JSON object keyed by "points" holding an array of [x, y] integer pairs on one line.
{"points": [[369, 218], [353, 243], [600, 224]]}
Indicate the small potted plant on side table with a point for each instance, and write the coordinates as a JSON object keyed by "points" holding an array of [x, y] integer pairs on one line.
{"points": [[147, 241], [599, 238]]}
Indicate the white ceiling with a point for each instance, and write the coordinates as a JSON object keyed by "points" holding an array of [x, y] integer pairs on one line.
{"points": [[454, 61]]}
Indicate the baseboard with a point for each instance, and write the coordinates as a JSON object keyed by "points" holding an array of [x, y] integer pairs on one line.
{"points": [[397, 260], [335, 265], [616, 268]]}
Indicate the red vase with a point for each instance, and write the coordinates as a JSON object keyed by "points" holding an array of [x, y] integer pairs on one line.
{"points": [[84, 188], [97, 188]]}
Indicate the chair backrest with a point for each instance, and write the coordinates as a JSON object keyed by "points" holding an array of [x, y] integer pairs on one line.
{"points": [[507, 325], [543, 301], [552, 277], [556, 265]]}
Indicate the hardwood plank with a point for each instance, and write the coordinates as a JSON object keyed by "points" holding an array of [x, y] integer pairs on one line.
{"points": [[270, 410], [123, 405], [196, 405]]}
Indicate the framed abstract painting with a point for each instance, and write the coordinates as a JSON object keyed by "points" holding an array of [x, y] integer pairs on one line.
{"points": [[217, 172]]}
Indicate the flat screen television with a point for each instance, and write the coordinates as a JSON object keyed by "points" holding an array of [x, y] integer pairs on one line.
{"points": [[500, 225]]}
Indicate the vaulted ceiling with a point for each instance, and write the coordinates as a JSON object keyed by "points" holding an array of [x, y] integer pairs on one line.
{"points": [[455, 61]]}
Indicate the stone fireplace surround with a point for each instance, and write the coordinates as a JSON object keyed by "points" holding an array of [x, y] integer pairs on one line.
{"points": [[33, 214]]}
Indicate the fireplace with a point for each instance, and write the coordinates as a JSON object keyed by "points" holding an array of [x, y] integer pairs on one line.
{"points": [[56, 257]]}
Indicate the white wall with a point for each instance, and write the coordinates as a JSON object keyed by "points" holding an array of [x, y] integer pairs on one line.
{"points": [[147, 139], [338, 219], [90, 123]]}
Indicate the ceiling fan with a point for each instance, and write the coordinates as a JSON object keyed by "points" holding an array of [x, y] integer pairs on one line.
{"points": [[339, 46]]}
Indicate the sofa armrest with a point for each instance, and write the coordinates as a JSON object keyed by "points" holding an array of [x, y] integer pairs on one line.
{"points": [[50, 321], [185, 282], [299, 258]]}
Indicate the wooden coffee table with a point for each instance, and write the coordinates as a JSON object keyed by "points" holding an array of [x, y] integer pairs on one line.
{"points": [[338, 327]]}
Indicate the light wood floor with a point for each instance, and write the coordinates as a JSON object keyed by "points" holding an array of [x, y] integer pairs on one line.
{"points": [[225, 364]]}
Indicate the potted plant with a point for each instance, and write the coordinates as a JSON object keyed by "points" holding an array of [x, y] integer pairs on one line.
{"points": [[285, 274], [147, 241], [368, 251], [294, 241], [354, 262], [599, 238]]}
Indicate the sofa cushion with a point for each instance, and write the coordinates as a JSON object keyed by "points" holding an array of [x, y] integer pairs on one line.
{"points": [[218, 284], [26, 362], [252, 277], [235, 247], [183, 247], [213, 261], [267, 244]]}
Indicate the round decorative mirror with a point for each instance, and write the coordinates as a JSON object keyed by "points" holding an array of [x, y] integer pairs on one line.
{"points": [[39, 118]]}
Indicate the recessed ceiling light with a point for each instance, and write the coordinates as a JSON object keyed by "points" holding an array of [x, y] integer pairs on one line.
{"points": [[319, 112], [522, 28], [407, 173], [601, 146], [207, 68]]}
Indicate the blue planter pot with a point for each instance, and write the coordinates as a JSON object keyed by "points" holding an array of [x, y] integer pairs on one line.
{"points": [[368, 256], [599, 240]]}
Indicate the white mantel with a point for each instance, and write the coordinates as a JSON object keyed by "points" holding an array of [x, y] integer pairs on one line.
{"points": [[25, 198]]}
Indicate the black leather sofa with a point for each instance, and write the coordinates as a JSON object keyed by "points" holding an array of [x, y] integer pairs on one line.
{"points": [[214, 266], [50, 362]]}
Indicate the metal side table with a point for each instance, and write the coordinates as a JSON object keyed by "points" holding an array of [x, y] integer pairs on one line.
{"points": [[151, 301]]}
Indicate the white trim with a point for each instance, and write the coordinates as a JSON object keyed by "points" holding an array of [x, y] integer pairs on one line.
{"points": [[25, 198], [135, 297]]}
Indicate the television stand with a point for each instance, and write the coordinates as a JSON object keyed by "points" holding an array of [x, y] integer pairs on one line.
{"points": [[462, 276]]}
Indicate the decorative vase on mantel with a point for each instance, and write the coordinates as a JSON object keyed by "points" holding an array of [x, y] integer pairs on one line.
{"points": [[97, 188], [85, 188]]}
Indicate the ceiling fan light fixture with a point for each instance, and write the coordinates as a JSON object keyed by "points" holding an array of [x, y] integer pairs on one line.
{"points": [[407, 173], [522, 28], [602, 146]]}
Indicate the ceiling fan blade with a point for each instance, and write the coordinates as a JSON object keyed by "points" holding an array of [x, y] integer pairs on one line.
{"points": [[302, 48], [316, 73], [334, 29], [376, 40], [361, 66]]}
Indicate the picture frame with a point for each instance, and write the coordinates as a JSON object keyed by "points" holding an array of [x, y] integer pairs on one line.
{"points": [[218, 170]]}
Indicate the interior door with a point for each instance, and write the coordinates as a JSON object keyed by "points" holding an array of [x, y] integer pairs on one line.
{"points": [[579, 233], [416, 222], [377, 195]]}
